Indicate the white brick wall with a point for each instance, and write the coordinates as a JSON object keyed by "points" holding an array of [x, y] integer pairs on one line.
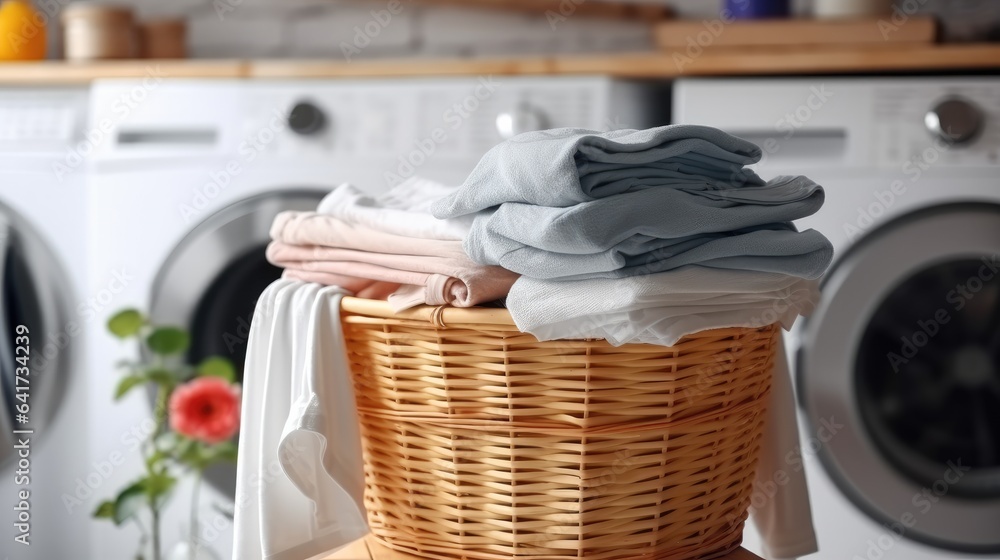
{"points": [[371, 29], [320, 28], [258, 35]]}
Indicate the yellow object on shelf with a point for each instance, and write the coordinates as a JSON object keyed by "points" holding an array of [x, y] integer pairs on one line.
{"points": [[22, 31]]}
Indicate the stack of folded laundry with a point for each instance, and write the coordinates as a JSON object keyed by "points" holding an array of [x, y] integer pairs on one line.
{"points": [[631, 236], [641, 236], [388, 247]]}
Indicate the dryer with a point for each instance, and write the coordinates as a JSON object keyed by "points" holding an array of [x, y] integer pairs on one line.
{"points": [[43, 317], [902, 356], [185, 193]]}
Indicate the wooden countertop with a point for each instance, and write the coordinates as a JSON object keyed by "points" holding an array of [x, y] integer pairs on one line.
{"points": [[715, 62], [368, 549]]}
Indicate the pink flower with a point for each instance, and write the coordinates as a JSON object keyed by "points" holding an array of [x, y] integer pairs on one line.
{"points": [[206, 409]]}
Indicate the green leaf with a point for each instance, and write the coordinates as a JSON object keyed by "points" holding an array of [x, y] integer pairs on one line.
{"points": [[188, 451], [225, 451], [127, 384], [106, 510], [129, 501], [162, 377], [217, 366], [166, 341], [126, 323], [155, 457], [159, 487]]}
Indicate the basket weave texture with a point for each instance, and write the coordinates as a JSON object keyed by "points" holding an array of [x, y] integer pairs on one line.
{"points": [[482, 443]]}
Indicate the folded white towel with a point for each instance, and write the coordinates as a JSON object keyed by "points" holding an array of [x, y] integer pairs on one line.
{"points": [[658, 308], [404, 210], [300, 481]]}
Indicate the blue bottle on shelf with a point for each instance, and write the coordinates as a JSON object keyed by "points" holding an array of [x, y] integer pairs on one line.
{"points": [[757, 9]]}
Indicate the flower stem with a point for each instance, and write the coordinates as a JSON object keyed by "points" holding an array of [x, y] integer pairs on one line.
{"points": [[156, 533], [194, 544], [143, 538], [160, 414]]}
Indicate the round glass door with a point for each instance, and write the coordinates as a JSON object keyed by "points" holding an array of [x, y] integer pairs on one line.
{"points": [[904, 351], [34, 371], [213, 278], [928, 375]]}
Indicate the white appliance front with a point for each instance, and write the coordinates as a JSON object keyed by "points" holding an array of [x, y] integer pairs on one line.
{"points": [[183, 196], [43, 315], [897, 371]]}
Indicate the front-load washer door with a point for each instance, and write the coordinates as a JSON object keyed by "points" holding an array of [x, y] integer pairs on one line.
{"points": [[34, 303], [904, 352], [212, 279]]}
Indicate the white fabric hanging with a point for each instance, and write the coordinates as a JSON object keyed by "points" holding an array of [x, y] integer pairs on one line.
{"points": [[300, 485], [785, 518]]}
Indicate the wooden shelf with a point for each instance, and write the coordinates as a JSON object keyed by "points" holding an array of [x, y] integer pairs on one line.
{"points": [[65, 73], [369, 549], [712, 62], [715, 62]]}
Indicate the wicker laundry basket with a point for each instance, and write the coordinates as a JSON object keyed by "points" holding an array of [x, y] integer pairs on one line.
{"points": [[482, 443]]}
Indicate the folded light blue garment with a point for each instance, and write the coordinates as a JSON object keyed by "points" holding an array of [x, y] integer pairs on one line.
{"points": [[574, 204], [656, 230], [568, 166], [663, 213], [772, 248]]}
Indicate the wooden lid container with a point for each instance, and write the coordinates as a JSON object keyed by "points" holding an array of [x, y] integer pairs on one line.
{"points": [[94, 31], [163, 38]]}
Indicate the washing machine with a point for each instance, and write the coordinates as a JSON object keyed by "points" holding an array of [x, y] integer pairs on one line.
{"points": [[43, 317], [898, 370], [183, 196]]}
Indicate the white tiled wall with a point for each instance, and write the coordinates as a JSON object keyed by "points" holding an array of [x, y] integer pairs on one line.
{"points": [[325, 28]]}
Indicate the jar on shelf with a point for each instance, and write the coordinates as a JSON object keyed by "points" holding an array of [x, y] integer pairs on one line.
{"points": [[163, 38], [93, 31], [851, 8]]}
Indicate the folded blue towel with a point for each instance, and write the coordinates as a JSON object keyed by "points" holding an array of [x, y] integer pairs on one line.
{"points": [[568, 166], [774, 248], [576, 204]]}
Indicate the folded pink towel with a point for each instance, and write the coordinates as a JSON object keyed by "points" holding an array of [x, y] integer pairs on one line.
{"points": [[454, 279], [312, 228], [369, 289]]}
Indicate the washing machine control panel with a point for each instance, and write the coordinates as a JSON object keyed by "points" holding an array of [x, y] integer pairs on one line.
{"points": [[955, 120], [26, 124], [521, 119], [456, 119], [946, 126], [306, 119]]}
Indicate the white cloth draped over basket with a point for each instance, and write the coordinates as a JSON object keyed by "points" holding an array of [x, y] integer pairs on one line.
{"points": [[300, 485], [300, 482]]}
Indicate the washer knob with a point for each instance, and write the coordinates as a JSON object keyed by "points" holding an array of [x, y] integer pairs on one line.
{"points": [[520, 119], [306, 119], [955, 120]]}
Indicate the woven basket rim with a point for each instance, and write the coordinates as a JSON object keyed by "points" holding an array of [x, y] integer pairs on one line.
{"points": [[446, 316], [443, 315]]}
